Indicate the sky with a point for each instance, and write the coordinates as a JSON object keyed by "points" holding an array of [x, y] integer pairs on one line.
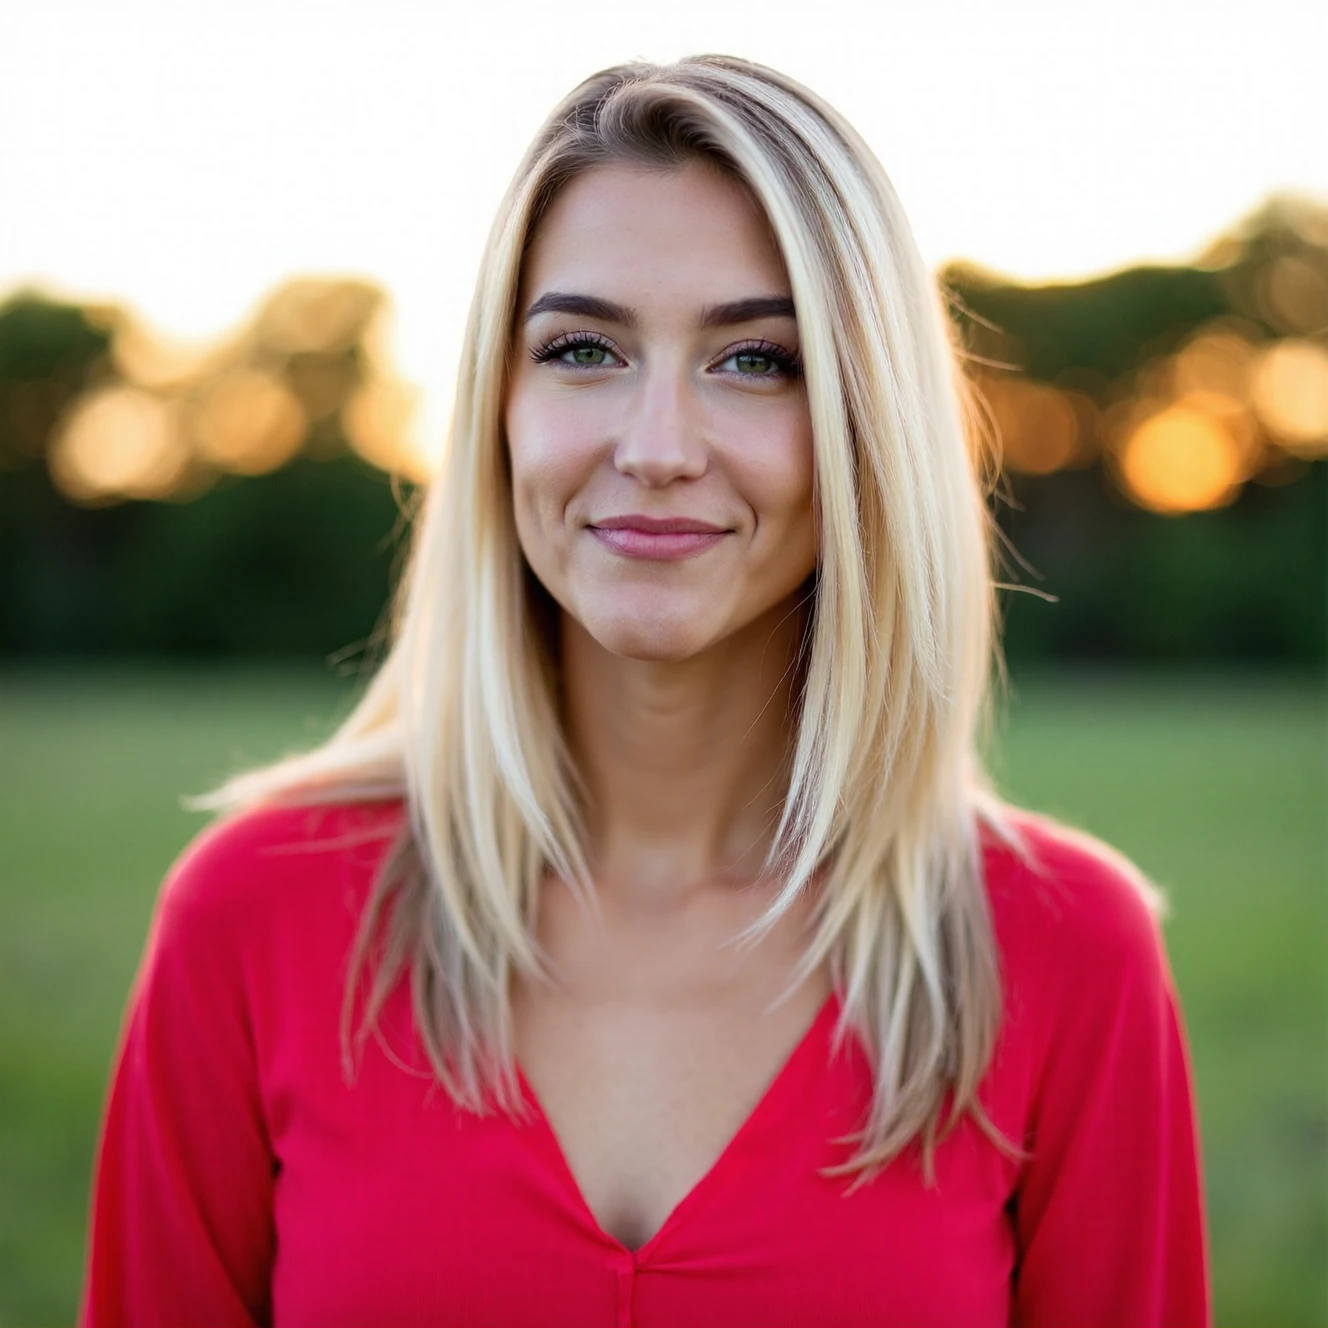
{"points": [[183, 159]]}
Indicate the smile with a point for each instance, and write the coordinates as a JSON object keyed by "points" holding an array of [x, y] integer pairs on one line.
{"points": [[662, 539]]}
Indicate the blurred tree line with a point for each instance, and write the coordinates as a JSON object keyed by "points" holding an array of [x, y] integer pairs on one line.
{"points": [[236, 520], [1165, 438], [1164, 433]]}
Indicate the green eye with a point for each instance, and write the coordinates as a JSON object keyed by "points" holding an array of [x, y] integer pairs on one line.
{"points": [[587, 356], [761, 360], [581, 351], [749, 362]]}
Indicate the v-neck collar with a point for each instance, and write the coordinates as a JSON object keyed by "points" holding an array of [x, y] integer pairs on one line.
{"points": [[811, 1041]]}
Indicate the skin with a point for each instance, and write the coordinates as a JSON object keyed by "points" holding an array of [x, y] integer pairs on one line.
{"points": [[677, 673], [658, 1039]]}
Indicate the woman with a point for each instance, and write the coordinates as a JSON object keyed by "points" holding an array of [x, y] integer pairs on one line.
{"points": [[644, 949]]}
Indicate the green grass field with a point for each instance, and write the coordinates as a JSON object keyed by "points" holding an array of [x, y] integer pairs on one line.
{"points": [[1217, 787]]}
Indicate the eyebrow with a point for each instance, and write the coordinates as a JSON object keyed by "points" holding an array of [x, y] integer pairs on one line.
{"points": [[607, 311], [583, 306], [747, 311]]}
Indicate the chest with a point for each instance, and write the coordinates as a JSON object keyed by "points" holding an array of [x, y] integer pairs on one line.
{"points": [[656, 1045], [644, 1099]]}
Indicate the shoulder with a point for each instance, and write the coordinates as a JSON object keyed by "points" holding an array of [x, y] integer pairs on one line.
{"points": [[1068, 909], [275, 858]]}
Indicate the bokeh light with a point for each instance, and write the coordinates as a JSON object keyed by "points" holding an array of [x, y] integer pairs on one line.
{"points": [[119, 442], [147, 358], [1182, 459], [1038, 426], [1218, 359], [248, 422], [378, 421], [1294, 294], [1290, 394]]}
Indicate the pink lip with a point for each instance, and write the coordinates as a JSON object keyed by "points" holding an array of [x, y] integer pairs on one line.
{"points": [[664, 539], [658, 525]]}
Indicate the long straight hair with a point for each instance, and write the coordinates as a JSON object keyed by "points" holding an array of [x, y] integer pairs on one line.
{"points": [[886, 798]]}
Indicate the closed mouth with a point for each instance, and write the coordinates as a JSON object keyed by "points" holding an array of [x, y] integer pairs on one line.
{"points": [[657, 525]]}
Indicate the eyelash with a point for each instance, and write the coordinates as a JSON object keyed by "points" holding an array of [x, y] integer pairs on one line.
{"points": [[786, 365], [566, 341]]}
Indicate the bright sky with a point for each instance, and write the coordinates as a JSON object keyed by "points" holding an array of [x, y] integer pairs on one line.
{"points": [[184, 160]]}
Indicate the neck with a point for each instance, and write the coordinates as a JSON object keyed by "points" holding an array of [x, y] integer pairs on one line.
{"points": [[685, 762]]}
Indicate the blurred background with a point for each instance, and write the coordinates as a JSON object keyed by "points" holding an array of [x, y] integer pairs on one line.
{"points": [[235, 256]]}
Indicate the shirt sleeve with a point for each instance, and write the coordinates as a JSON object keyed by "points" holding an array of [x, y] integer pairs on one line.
{"points": [[181, 1221], [1108, 1213]]}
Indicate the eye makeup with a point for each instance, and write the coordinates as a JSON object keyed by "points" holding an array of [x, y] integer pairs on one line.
{"points": [[557, 347], [593, 350]]}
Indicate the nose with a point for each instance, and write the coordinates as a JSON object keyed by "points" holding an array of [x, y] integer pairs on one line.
{"points": [[661, 440]]}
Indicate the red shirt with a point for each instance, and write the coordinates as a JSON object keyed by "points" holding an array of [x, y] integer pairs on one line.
{"points": [[241, 1180]]}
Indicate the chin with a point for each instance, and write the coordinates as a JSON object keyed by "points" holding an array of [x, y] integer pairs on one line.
{"points": [[654, 637]]}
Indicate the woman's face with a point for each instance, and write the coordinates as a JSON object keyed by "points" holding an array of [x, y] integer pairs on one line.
{"points": [[656, 418]]}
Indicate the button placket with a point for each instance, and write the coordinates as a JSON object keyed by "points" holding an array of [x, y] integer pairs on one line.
{"points": [[626, 1286]]}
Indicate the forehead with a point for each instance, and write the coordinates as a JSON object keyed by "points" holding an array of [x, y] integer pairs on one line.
{"points": [[617, 230]]}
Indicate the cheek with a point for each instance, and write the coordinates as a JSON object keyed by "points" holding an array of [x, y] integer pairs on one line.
{"points": [[773, 469], [547, 453], [551, 456]]}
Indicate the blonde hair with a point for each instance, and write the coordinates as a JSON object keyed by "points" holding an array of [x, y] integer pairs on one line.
{"points": [[886, 796]]}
